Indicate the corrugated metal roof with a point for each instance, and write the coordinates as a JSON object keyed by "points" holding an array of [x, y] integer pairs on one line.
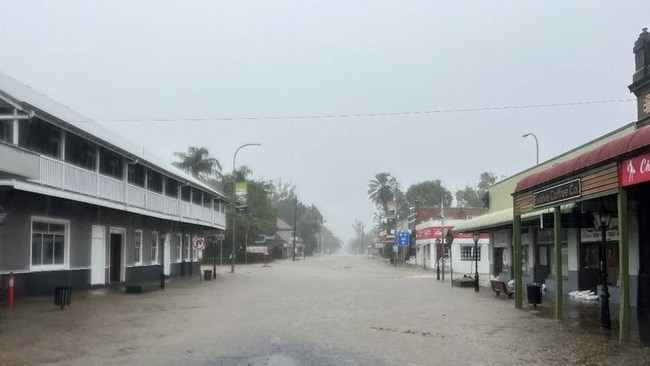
{"points": [[620, 146], [29, 99]]}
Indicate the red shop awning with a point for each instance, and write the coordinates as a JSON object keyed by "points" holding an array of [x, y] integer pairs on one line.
{"points": [[620, 146]]}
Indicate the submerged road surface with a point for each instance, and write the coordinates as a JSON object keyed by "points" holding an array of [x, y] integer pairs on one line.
{"points": [[335, 310]]}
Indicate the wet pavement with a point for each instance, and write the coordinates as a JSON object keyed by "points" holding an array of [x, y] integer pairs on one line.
{"points": [[335, 310]]}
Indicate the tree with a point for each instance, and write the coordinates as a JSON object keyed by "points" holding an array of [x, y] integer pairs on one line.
{"points": [[474, 196], [382, 189], [198, 163], [429, 193]]}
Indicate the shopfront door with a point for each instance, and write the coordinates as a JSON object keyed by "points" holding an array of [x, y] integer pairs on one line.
{"points": [[588, 276]]}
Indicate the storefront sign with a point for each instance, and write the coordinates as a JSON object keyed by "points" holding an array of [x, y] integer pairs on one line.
{"points": [[558, 193], [635, 170], [435, 232], [591, 235]]}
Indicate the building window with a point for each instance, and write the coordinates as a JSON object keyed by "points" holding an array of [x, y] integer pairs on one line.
{"points": [[110, 163], [49, 242], [179, 247], [467, 253], [40, 136], [6, 129], [171, 187], [80, 152], [154, 248], [136, 174], [138, 247], [154, 181], [197, 196], [187, 247]]}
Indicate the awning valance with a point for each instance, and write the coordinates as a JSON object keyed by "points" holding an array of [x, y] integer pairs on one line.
{"points": [[620, 146]]}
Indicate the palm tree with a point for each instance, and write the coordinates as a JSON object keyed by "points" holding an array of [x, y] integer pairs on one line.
{"points": [[382, 189], [198, 163]]}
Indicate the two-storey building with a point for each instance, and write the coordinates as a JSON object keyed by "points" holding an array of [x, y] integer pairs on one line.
{"points": [[81, 206]]}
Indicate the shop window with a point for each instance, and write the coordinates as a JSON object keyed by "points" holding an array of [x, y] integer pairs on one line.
{"points": [[110, 163], [154, 248], [187, 247], [524, 260], [49, 243], [565, 262], [40, 136], [612, 263], [137, 258], [467, 253], [179, 247]]}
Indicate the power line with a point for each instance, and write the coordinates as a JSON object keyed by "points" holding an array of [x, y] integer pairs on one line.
{"points": [[365, 115]]}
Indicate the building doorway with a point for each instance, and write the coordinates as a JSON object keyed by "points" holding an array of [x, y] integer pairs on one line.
{"points": [[589, 267], [543, 260], [116, 255]]}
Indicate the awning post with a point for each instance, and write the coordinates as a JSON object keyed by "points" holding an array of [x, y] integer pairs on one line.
{"points": [[516, 235], [557, 231], [623, 264]]}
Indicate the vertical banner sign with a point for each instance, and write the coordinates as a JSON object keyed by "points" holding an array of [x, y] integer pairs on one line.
{"points": [[241, 199]]}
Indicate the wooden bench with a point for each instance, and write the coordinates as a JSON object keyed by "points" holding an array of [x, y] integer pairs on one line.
{"points": [[498, 287]]}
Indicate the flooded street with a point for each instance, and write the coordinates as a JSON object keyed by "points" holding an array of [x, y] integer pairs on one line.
{"points": [[336, 310]]}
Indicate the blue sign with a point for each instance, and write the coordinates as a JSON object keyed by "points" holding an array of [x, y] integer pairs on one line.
{"points": [[403, 238]]}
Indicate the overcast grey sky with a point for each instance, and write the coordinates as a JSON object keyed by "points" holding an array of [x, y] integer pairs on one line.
{"points": [[143, 60]]}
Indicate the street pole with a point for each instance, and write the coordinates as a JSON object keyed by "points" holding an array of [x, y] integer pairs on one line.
{"points": [[234, 205], [605, 321], [536, 144], [295, 220]]}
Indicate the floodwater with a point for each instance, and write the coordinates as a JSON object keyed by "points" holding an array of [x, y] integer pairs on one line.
{"points": [[333, 310]]}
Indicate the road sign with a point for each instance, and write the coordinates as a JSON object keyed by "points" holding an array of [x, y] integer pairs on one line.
{"points": [[221, 236], [198, 243], [394, 248], [403, 238]]}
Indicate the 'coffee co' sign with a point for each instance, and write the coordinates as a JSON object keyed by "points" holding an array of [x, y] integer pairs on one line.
{"points": [[558, 193]]}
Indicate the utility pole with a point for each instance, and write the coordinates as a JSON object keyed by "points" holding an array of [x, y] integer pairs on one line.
{"points": [[295, 222]]}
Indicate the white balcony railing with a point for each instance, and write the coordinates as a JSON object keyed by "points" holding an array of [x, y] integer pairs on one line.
{"points": [[58, 174]]}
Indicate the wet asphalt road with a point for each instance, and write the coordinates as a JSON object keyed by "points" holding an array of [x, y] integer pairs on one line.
{"points": [[335, 310]]}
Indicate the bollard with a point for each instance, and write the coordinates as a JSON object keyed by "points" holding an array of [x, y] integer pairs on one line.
{"points": [[10, 290], [162, 281], [62, 296]]}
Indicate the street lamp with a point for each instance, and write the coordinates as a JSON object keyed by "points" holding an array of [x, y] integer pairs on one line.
{"points": [[602, 220], [234, 208], [438, 242], [476, 237], [536, 144]]}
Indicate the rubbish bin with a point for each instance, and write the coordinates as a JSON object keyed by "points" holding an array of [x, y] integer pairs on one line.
{"points": [[62, 296], [207, 275], [534, 291]]}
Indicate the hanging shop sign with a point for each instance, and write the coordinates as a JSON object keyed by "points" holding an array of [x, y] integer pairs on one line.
{"points": [[592, 235], [198, 243], [634, 171], [559, 193]]}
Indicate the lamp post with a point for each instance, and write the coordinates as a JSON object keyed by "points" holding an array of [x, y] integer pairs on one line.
{"points": [[602, 220], [438, 241], [234, 205], [536, 144], [476, 237]]}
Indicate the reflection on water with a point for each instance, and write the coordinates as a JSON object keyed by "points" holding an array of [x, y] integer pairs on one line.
{"points": [[585, 316]]}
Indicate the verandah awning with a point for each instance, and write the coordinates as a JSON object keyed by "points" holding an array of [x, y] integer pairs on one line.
{"points": [[611, 150], [502, 219]]}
